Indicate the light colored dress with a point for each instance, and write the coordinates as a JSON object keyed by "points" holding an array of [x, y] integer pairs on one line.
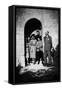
{"points": [[27, 51], [32, 48]]}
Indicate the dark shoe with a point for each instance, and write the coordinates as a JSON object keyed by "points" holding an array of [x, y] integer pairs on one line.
{"points": [[44, 62]]}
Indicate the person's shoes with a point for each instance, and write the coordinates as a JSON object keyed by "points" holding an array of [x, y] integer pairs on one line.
{"points": [[49, 64], [34, 62], [44, 63]]}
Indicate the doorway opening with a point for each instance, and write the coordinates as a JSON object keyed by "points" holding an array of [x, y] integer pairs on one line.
{"points": [[31, 26]]}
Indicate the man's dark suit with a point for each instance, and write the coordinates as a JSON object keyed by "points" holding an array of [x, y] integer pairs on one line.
{"points": [[47, 48]]}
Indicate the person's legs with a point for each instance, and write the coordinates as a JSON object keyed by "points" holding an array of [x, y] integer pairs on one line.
{"points": [[49, 56], [45, 57], [37, 56], [33, 60], [29, 60], [41, 55], [38, 60]]}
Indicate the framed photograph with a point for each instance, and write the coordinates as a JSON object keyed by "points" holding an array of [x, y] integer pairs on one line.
{"points": [[34, 44]]}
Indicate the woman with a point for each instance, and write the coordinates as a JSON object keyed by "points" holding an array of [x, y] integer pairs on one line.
{"points": [[32, 48]]}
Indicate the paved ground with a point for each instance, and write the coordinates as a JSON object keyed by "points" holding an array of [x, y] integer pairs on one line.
{"points": [[35, 73], [37, 70]]}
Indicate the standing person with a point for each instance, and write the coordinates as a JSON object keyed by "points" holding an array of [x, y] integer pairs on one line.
{"points": [[27, 51], [47, 47], [32, 48], [39, 47]]}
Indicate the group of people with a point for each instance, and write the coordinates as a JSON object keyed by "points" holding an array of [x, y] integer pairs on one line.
{"points": [[34, 48]]}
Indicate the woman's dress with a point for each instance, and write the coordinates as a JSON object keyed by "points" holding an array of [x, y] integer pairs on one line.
{"points": [[32, 48]]}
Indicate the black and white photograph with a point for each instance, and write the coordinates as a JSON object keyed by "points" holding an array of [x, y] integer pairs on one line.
{"points": [[30, 44], [37, 44]]}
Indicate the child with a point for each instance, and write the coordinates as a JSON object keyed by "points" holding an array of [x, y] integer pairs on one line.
{"points": [[39, 53]]}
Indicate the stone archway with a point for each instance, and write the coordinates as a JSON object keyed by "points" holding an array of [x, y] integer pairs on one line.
{"points": [[31, 25]]}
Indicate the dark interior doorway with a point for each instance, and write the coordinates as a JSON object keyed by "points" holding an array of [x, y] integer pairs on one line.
{"points": [[31, 25]]}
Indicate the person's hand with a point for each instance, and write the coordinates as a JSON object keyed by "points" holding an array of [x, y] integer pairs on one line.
{"points": [[51, 49]]}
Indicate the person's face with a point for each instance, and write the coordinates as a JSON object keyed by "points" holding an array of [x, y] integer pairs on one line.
{"points": [[28, 38], [33, 38], [38, 33], [38, 39], [47, 34]]}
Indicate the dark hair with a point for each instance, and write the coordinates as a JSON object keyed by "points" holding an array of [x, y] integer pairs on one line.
{"points": [[32, 35], [37, 31]]}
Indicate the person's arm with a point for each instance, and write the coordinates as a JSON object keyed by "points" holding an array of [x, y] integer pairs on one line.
{"points": [[29, 44], [43, 41], [51, 42], [51, 45]]}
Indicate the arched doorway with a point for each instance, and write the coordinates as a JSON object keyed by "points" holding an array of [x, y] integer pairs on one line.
{"points": [[30, 26]]}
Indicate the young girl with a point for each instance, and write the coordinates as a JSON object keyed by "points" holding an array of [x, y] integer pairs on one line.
{"points": [[39, 47]]}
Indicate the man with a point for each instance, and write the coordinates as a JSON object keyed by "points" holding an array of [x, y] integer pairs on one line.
{"points": [[47, 47]]}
